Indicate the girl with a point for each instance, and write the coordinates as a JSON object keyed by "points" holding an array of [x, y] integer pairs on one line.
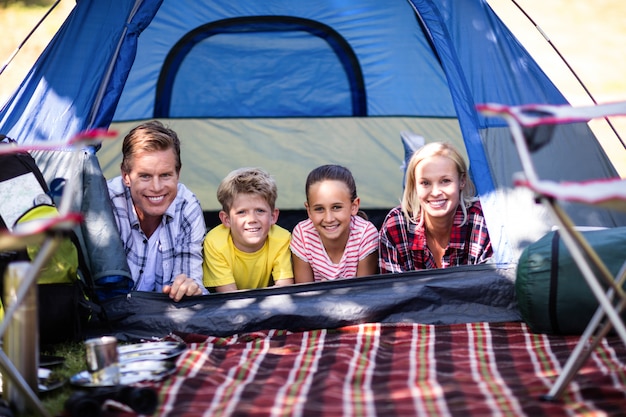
{"points": [[440, 222], [336, 241]]}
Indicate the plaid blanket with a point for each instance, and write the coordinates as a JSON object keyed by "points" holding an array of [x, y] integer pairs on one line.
{"points": [[477, 369]]}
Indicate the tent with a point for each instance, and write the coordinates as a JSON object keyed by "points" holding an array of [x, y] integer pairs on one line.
{"points": [[289, 85], [292, 85]]}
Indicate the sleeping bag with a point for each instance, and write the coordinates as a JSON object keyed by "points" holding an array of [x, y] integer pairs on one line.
{"points": [[552, 294]]}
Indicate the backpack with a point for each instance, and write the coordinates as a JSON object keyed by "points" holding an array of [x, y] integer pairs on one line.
{"points": [[65, 294]]}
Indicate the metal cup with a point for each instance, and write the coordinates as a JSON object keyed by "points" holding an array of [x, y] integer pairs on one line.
{"points": [[102, 360]]}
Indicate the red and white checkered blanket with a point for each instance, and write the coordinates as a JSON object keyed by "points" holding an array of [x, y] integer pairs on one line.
{"points": [[477, 369]]}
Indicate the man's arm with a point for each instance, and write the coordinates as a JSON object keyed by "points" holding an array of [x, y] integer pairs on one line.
{"points": [[188, 259], [182, 286]]}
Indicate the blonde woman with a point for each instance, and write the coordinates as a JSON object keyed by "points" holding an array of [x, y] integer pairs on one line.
{"points": [[440, 221]]}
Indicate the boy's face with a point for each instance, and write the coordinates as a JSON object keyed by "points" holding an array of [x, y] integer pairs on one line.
{"points": [[249, 220]]}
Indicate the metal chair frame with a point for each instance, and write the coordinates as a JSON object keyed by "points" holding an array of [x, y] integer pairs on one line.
{"points": [[50, 233], [607, 193]]}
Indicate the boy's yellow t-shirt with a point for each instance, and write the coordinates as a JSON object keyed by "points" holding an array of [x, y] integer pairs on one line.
{"points": [[224, 264]]}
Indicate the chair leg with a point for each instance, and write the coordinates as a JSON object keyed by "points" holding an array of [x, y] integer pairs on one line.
{"points": [[588, 341], [6, 365], [585, 346], [581, 251], [11, 371]]}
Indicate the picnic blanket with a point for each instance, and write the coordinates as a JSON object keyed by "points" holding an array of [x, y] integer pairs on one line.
{"points": [[378, 369]]}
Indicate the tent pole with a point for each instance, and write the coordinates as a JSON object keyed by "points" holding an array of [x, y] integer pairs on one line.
{"points": [[569, 67], [6, 64]]}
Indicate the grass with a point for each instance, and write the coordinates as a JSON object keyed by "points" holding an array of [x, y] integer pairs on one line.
{"points": [[74, 361], [73, 352]]}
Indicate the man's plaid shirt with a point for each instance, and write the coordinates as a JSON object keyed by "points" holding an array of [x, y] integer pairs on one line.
{"points": [[181, 234]]}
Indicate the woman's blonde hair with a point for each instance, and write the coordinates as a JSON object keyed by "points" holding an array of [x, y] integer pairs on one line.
{"points": [[410, 203]]}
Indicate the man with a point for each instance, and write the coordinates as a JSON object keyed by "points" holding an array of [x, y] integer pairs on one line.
{"points": [[160, 221]]}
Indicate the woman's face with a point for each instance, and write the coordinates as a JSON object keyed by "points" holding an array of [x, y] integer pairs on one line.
{"points": [[438, 185]]}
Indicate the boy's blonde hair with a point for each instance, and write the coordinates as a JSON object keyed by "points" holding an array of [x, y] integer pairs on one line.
{"points": [[410, 203], [247, 181]]}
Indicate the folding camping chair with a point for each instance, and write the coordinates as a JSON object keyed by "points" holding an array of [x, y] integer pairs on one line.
{"points": [[524, 123], [48, 232]]}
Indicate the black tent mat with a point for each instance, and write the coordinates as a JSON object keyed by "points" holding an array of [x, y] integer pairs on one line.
{"points": [[479, 293]]}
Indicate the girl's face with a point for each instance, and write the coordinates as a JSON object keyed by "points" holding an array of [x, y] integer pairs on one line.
{"points": [[330, 209], [438, 185]]}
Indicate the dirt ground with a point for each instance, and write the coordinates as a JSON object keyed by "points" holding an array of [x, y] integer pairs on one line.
{"points": [[589, 34]]}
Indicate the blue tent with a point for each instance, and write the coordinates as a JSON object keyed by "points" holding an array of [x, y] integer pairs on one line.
{"points": [[291, 85]]}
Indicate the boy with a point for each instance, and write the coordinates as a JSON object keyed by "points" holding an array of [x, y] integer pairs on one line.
{"points": [[248, 250]]}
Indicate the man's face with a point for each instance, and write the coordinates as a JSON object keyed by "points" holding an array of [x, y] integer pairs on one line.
{"points": [[153, 182]]}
